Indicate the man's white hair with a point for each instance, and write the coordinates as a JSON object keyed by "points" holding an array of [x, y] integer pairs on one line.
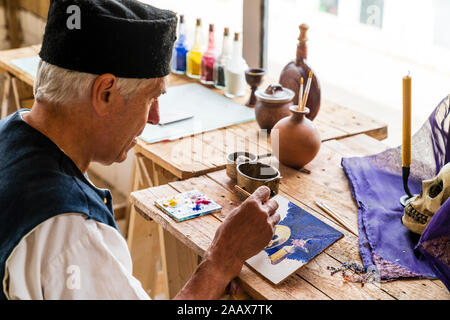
{"points": [[62, 86]]}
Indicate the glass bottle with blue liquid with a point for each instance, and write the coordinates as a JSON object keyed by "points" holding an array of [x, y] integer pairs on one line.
{"points": [[180, 50]]}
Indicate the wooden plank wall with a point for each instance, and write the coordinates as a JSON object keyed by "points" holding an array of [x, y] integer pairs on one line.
{"points": [[11, 15]]}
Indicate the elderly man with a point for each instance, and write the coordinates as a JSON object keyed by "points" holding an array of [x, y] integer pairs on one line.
{"points": [[96, 88]]}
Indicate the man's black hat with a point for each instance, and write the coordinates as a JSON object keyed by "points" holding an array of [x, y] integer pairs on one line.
{"points": [[124, 37]]}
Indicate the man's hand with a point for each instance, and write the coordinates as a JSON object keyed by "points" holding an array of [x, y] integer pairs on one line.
{"points": [[245, 232]]}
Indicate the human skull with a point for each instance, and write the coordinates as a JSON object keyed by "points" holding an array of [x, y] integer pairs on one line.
{"points": [[421, 208]]}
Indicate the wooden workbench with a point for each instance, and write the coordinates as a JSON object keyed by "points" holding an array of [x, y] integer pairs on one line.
{"points": [[16, 81], [327, 183], [163, 162]]}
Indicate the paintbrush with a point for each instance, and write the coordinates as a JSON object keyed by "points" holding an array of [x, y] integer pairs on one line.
{"points": [[244, 193], [300, 95], [336, 217], [308, 87]]}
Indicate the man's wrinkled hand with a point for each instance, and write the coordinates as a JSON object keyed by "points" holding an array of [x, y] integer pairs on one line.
{"points": [[245, 232]]}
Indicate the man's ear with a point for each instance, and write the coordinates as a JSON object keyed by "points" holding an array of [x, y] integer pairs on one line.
{"points": [[104, 93]]}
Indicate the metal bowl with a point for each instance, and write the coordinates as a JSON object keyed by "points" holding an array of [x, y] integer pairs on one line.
{"points": [[232, 162], [251, 176]]}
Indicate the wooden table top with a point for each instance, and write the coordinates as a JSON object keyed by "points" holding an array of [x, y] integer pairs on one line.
{"points": [[326, 183], [6, 66], [206, 152]]}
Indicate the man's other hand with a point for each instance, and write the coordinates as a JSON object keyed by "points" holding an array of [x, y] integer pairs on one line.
{"points": [[244, 233]]}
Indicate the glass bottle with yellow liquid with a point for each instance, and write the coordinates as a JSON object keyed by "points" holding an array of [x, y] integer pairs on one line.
{"points": [[194, 56]]}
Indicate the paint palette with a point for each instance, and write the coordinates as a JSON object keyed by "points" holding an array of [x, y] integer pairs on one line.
{"points": [[187, 205], [299, 238]]}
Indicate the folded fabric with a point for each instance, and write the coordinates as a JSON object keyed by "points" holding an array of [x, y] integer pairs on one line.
{"points": [[434, 243], [376, 184]]}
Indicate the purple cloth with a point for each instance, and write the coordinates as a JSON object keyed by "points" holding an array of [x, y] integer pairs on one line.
{"points": [[376, 184], [434, 244]]}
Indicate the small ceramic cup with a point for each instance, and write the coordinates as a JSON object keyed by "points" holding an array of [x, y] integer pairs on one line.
{"points": [[235, 158], [251, 176]]}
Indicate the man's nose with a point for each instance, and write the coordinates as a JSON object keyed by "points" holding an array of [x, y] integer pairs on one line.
{"points": [[153, 115]]}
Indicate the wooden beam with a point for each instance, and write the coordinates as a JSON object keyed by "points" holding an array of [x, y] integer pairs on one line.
{"points": [[5, 96], [21, 92], [38, 7], [13, 23], [178, 262]]}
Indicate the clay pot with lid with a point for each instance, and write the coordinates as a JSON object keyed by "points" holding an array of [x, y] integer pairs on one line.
{"points": [[272, 105], [295, 139]]}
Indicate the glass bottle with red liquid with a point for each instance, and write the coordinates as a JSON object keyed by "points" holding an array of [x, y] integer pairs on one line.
{"points": [[208, 59]]}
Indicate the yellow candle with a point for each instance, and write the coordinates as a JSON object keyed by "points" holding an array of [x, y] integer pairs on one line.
{"points": [[406, 145]]}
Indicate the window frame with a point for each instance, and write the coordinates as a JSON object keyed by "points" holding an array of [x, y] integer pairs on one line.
{"points": [[255, 22]]}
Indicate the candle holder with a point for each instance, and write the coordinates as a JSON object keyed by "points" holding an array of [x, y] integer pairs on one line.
{"points": [[254, 78], [405, 198]]}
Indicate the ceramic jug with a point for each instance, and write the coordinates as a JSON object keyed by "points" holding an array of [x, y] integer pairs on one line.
{"points": [[293, 71], [295, 140]]}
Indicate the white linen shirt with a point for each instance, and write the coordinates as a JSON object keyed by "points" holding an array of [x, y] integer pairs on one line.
{"points": [[71, 257]]}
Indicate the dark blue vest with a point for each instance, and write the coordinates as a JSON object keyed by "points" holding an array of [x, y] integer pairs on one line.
{"points": [[37, 182]]}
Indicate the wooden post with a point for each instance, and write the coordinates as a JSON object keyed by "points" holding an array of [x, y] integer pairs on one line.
{"points": [[15, 88], [149, 243], [13, 23], [5, 97], [21, 92], [178, 262], [143, 237], [38, 7], [4, 27]]}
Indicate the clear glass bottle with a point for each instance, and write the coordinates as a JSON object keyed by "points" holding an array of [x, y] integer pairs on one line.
{"points": [[180, 49], [235, 71], [208, 59], [194, 56], [222, 61]]}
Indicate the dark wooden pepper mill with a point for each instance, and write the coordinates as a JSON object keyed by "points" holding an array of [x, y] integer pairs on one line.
{"points": [[292, 72]]}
